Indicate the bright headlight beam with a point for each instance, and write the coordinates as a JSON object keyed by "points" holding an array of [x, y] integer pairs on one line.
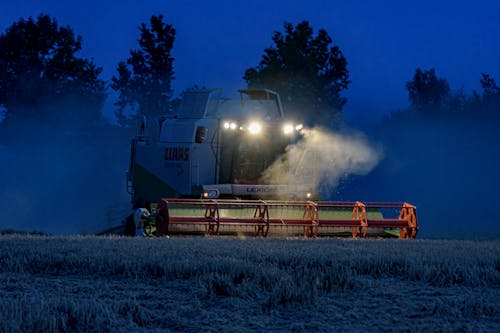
{"points": [[254, 128], [288, 128], [230, 125], [298, 127]]}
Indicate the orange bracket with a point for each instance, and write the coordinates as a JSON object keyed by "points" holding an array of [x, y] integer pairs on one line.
{"points": [[359, 213]]}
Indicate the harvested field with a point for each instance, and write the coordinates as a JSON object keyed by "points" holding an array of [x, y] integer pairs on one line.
{"points": [[230, 284]]}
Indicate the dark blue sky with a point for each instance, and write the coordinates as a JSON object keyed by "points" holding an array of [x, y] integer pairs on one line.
{"points": [[383, 41]]}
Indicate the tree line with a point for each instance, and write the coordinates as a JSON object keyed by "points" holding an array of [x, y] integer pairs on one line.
{"points": [[43, 78], [430, 94]]}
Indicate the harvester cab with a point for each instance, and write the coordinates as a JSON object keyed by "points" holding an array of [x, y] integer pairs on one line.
{"points": [[215, 147]]}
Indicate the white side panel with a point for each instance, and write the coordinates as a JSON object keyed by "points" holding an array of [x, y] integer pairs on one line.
{"points": [[202, 164], [180, 162], [169, 162], [177, 130]]}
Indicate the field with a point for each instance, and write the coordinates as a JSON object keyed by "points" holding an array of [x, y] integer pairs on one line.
{"points": [[242, 285]]}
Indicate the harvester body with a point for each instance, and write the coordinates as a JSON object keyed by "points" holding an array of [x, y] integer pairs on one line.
{"points": [[214, 147], [203, 170]]}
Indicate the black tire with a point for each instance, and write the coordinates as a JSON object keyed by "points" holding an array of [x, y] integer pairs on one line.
{"points": [[129, 229]]}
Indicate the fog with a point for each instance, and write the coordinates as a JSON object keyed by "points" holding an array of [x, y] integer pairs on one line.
{"points": [[60, 178], [3, 112], [445, 164], [65, 179]]}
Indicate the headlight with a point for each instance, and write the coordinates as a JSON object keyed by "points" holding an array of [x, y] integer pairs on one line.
{"points": [[288, 129], [230, 125], [254, 128], [211, 194], [298, 127]]}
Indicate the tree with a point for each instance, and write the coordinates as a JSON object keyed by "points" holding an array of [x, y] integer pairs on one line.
{"points": [[144, 81], [426, 91], [308, 72], [489, 85], [42, 78], [458, 102], [491, 93]]}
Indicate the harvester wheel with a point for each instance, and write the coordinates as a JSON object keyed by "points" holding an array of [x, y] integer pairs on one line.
{"points": [[129, 229], [162, 218], [161, 226]]}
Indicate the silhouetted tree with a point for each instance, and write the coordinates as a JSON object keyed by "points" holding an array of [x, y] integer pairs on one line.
{"points": [[458, 102], [144, 81], [308, 72], [491, 93], [42, 78], [489, 85], [426, 91]]}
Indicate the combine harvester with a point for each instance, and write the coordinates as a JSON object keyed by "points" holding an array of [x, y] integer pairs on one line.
{"points": [[201, 171]]}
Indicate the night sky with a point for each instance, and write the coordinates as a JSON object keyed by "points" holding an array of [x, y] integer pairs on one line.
{"points": [[383, 41]]}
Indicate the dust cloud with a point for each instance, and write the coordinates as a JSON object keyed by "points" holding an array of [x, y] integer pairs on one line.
{"points": [[321, 157]]}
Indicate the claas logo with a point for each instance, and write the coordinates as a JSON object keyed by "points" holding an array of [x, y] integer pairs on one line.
{"points": [[176, 154]]}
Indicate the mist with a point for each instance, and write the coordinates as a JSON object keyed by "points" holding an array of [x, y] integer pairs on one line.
{"points": [[65, 180], [321, 157], [445, 164], [62, 178]]}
